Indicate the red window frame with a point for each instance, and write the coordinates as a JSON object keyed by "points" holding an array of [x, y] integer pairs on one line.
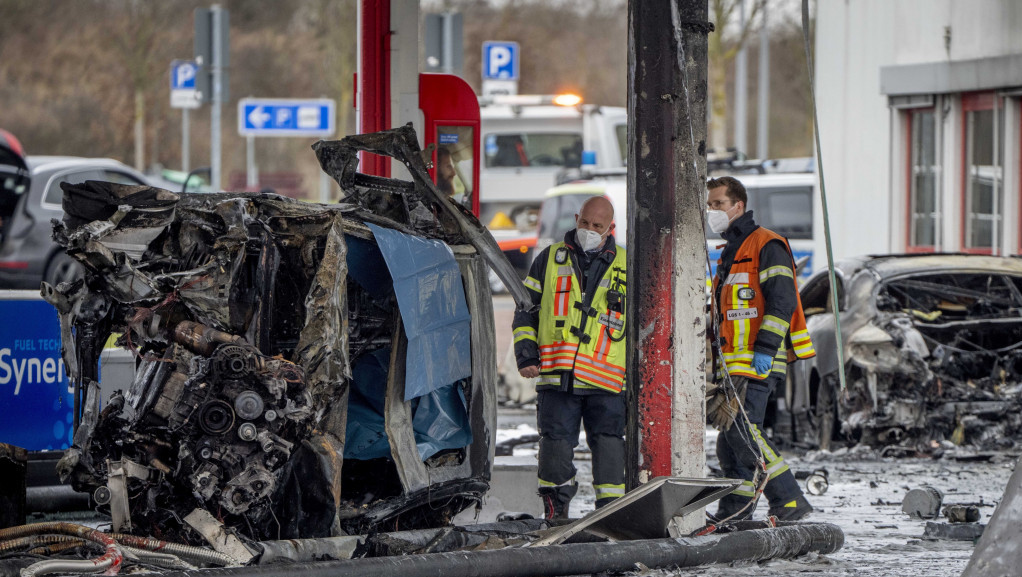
{"points": [[973, 102], [909, 174]]}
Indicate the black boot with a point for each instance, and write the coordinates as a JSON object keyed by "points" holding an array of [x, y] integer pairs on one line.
{"points": [[555, 504]]}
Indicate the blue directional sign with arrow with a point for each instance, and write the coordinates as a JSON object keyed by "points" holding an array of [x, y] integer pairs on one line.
{"points": [[286, 117]]}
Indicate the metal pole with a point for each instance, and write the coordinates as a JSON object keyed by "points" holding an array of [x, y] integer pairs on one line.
{"points": [[374, 83], [448, 41], [763, 108], [214, 137], [324, 187], [667, 65], [185, 142], [251, 170], [741, 89]]}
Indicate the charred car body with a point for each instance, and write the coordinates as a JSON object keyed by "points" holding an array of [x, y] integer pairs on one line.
{"points": [[933, 354], [303, 370]]}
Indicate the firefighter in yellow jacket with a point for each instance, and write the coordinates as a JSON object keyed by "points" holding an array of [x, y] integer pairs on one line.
{"points": [[574, 346], [760, 328]]}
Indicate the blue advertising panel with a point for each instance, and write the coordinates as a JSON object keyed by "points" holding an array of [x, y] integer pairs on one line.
{"points": [[36, 406]]}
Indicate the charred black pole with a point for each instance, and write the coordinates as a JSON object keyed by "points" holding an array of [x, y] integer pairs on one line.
{"points": [[667, 55], [573, 559]]}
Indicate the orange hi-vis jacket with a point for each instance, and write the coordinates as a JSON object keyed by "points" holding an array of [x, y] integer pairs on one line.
{"points": [[743, 310]]}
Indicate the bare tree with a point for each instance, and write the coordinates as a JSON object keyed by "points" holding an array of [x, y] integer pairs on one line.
{"points": [[722, 51], [134, 29]]}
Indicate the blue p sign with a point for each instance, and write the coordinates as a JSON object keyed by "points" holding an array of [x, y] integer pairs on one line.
{"points": [[500, 61], [183, 75]]}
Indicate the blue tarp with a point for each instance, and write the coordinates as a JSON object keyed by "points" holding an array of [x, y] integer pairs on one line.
{"points": [[366, 437], [431, 297], [367, 267], [439, 419]]}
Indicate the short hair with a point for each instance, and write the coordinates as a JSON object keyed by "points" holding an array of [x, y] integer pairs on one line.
{"points": [[441, 152], [735, 190]]}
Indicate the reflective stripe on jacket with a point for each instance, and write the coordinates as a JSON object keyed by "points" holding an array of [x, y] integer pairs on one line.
{"points": [[742, 310], [588, 340]]}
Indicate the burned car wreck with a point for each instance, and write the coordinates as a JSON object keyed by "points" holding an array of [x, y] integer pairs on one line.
{"points": [[933, 356], [303, 370]]}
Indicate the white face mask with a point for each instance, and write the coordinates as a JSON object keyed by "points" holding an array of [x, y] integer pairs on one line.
{"points": [[718, 220], [588, 239]]}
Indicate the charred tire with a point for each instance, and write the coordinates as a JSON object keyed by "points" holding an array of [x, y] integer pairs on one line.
{"points": [[62, 268]]}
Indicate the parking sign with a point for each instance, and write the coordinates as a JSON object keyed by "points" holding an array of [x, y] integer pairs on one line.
{"points": [[286, 117], [500, 61], [183, 92]]}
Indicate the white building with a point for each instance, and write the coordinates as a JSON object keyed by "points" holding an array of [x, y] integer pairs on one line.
{"points": [[920, 125]]}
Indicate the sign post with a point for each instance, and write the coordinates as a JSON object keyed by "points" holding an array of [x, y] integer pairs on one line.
{"points": [[212, 52], [184, 95], [500, 68], [310, 118]]}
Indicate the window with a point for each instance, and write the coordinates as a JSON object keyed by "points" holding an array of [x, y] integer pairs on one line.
{"points": [[621, 130], [119, 177], [816, 297], [788, 212], [55, 196], [558, 215], [923, 181], [533, 149], [453, 163], [983, 178]]}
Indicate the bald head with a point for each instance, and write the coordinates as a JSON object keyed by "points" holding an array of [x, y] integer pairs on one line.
{"points": [[597, 215]]}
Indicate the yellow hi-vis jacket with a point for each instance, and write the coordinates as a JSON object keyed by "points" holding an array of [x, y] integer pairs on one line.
{"points": [[742, 310], [573, 337]]}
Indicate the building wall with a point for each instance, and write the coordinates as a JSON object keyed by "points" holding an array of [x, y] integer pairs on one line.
{"points": [[866, 136], [854, 122]]}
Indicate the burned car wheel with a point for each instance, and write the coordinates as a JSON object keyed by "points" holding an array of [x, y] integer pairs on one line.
{"points": [[63, 268], [826, 414]]}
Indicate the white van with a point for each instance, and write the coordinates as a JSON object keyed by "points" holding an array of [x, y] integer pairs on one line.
{"points": [[781, 202], [525, 147]]}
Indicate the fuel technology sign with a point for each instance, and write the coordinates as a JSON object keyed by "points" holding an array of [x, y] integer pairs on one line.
{"points": [[36, 403]]}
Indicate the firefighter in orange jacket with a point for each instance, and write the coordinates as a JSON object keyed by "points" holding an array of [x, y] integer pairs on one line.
{"points": [[761, 327]]}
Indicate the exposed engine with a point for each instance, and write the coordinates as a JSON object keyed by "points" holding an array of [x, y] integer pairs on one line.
{"points": [[212, 427]]}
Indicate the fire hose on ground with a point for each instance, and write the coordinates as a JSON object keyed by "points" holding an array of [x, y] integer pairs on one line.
{"points": [[571, 559]]}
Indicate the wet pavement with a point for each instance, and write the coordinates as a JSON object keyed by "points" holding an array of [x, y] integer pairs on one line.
{"points": [[864, 498]]}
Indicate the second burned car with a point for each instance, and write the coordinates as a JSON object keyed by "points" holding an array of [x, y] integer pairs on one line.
{"points": [[933, 356]]}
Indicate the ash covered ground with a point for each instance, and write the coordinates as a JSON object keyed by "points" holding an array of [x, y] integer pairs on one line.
{"points": [[864, 498]]}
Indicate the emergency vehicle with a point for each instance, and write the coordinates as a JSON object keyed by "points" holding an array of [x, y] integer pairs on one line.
{"points": [[529, 143]]}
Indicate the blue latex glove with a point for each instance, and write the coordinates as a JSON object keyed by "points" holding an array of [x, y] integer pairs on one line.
{"points": [[762, 362]]}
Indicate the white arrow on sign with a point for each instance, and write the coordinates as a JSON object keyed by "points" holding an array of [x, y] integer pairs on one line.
{"points": [[258, 117]]}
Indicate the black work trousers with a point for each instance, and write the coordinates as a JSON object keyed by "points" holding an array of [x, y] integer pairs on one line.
{"points": [[739, 449], [559, 415]]}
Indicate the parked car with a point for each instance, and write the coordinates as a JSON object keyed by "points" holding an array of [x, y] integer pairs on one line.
{"points": [[933, 355], [28, 254]]}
